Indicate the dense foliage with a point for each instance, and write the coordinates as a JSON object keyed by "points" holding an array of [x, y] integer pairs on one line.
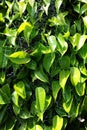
{"points": [[43, 64]]}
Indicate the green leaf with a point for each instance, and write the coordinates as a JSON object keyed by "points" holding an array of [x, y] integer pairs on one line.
{"points": [[67, 93], [20, 89], [61, 112], [48, 101], [83, 9], [16, 109], [31, 65], [47, 3], [44, 49], [23, 25], [48, 128], [5, 95], [57, 123], [63, 76], [22, 7], [2, 114], [62, 44], [24, 113], [58, 4], [74, 110], [78, 40], [23, 126], [20, 57], [83, 70], [75, 76], [84, 1], [85, 21], [31, 2], [1, 17], [15, 98], [52, 42], [27, 32], [59, 20], [48, 61], [38, 127], [83, 52], [39, 74], [2, 77], [80, 89], [84, 105], [55, 89], [67, 105], [64, 62], [40, 99], [77, 8]]}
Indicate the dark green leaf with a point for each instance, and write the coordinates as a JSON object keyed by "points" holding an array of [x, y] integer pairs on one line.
{"points": [[55, 89], [48, 61]]}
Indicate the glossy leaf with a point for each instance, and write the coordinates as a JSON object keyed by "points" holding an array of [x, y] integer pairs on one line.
{"points": [[38, 127], [63, 76], [62, 44], [52, 42], [83, 9], [67, 106], [2, 77], [80, 89], [55, 89], [22, 6], [84, 1], [39, 74], [27, 32], [67, 93], [1, 17], [59, 20], [48, 61], [24, 113], [40, 99], [85, 21], [57, 123], [20, 89], [83, 52], [58, 4], [47, 3], [48, 101], [15, 98], [23, 25], [74, 112], [75, 76], [44, 49], [31, 2], [20, 57], [78, 40], [5, 94]]}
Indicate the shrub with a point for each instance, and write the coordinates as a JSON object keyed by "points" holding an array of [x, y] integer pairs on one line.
{"points": [[43, 64]]}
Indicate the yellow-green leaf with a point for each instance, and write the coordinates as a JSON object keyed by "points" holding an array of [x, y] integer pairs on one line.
{"points": [[23, 25], [57, 123], [67, 106], [40, 99], [20, 89], [63, 76], [80, 89], [31, 2], [75, 76], [20, 57]]}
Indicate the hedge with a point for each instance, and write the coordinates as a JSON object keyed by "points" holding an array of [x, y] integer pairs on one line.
{"points": [[43, 65]]}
